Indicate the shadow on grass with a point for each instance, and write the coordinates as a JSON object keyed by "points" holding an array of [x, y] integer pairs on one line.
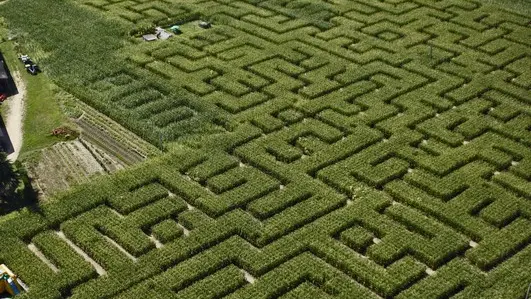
{"points": [[26, 198]]}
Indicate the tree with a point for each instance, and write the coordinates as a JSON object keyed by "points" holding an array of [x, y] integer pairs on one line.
{"points": [[9, 178]]}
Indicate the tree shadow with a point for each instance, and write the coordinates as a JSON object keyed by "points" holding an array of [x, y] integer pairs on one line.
{"points": [[26, 198]]}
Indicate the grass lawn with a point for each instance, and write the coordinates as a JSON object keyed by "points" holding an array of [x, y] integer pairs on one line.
{"points": [[43, 112]]}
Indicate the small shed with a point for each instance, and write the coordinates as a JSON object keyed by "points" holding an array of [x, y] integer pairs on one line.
{"points": [[149, 37], [162, 33]]}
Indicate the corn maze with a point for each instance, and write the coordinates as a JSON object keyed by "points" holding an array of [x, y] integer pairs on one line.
{"points": [[362, 149]]}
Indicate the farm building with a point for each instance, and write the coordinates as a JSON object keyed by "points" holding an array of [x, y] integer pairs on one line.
{"points": [[162, 33], [149, 37], [3, 77]]}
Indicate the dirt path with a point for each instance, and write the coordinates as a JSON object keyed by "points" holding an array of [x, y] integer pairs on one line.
{"points": [[15, 116], [41, 256], [99, 269]]}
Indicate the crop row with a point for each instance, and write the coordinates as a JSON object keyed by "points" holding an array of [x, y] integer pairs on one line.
{"points": [[397, 228], [389, 281], [352, 163]]}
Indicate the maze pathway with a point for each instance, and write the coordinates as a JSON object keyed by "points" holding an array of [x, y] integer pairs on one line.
{"points": [[367, 149]]}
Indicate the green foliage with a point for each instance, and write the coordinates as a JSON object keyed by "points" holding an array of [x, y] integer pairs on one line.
{"points": [[138, 198], [3, 30], [142, 28], [167, 231], [333, 156], [74, 270]]}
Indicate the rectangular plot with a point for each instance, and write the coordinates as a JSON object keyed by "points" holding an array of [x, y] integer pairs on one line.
{"points": [[129, 202], [141, 97], [95, 245], [80, 251], [502, 244], [298, 215], [167, 230], [96, 3], [42, 257], [148, 216], [237, 187], [167, 117], [73, 268], [237, 104], [149, 109], [217, 164], [279, 200], [154, 14], [164, 52], [230, 85], [215, 285]]}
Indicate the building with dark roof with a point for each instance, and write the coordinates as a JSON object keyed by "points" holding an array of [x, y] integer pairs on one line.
{"points": [[3, 76]]}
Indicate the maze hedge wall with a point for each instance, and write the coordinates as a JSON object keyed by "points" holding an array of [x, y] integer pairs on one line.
{"points": [[355, 149]]}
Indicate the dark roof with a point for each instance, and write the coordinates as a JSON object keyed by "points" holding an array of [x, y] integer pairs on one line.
{"points": [[3, 73]]}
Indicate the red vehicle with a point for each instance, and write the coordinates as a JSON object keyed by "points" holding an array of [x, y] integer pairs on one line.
{"points": [[3, 97]]}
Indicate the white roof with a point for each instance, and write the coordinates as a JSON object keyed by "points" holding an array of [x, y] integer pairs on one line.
{"points": [[149, 37], [164, 35]]}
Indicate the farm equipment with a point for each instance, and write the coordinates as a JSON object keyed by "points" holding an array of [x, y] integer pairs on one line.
{"points": [[205, 25], [31, 67], [175, 29], [9, 282], [64, 132], [24, 58]]}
